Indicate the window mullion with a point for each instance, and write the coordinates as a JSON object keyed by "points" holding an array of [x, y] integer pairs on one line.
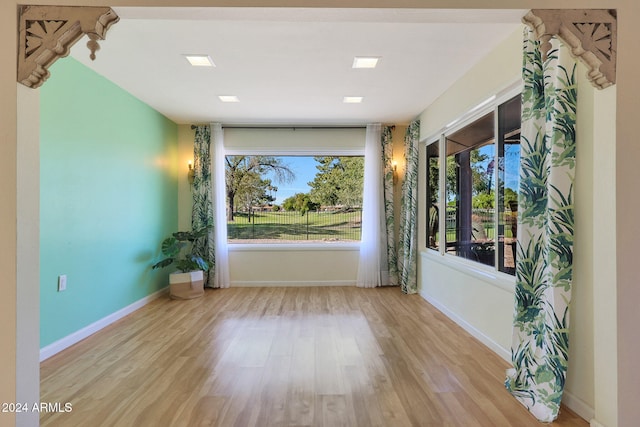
{"points": [[497, 137], [442, 179]]}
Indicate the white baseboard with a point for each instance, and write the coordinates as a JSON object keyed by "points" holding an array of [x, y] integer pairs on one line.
{"points": [[594, 423], [476, 333], [572, 402], [69, 340], [294, 283], [578, 406]]}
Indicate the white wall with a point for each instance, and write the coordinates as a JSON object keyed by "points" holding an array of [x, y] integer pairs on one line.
{"points": [[12, 245], [604, 256], [293, 265], [592, 375], [492, 74], [580, 376], [27, 390], [295, 141], [479, 301], [482, 301], [185, 154]]}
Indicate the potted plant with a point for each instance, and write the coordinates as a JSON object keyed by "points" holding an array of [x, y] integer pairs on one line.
{"points": [[178, 249]]}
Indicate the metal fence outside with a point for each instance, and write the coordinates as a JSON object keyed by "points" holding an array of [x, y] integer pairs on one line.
{"points": [[324, 225]]}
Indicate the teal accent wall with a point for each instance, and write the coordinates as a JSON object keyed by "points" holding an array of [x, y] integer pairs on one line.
{"points": [[109, 190]]}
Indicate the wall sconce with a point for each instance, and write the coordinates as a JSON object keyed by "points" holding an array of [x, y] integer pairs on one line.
{"points": [[394, 167], [192, 173]]}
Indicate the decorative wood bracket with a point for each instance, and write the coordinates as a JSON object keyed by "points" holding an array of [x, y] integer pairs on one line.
{"points": [[590, 34], [47, 33]]}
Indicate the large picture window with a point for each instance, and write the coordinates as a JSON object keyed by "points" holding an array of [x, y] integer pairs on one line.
{"points": [[480, 179], [278, 199]]}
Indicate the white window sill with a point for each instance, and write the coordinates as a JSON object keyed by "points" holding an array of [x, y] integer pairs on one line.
{"points": [[284, 247], [476, 270]]}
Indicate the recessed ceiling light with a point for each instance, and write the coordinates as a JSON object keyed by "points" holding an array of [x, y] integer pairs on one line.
{"points": [[365, 61], [200, 60], [352, 99], [228, 98]]}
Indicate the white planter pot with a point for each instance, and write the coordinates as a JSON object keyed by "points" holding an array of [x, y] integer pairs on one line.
{"points": [[186, 285]]}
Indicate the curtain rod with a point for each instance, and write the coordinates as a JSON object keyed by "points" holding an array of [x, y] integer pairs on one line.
{"points": [[289, 127]]}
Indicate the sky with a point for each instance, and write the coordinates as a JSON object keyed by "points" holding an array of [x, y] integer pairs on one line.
{"points": [[511, 159], [304, 169]]}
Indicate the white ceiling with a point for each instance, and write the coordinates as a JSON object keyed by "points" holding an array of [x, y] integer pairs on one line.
{"points": [[293, 66]]}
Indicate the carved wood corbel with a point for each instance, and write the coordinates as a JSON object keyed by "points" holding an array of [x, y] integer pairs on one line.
{"points": [[47, 33], [590, 34]]}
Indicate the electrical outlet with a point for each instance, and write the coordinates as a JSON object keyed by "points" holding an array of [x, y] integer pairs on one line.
{"points": [[62, 282]]}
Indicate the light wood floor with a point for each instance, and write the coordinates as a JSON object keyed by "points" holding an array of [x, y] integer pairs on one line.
{"points": [[284, 357]]}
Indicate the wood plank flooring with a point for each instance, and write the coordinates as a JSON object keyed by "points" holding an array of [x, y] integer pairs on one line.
{"points": [[284, 357]]}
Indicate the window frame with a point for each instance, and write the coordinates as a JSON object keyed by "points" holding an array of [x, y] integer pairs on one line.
{"points": [[441, 192], [491, 104], [291, 245]]}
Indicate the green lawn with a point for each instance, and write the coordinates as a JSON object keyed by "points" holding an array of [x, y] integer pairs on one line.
{"points": [[317, 226]]}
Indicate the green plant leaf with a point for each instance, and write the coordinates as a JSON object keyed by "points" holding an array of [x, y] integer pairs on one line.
{"points": [[171, 247], [164, 263]]}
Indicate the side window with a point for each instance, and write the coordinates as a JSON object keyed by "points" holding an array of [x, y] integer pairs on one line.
{"points": [[480, 179]]}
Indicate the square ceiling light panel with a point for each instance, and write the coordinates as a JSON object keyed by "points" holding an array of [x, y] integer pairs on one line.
{"points": [[228, 98], [200, 60], [365, 61]]}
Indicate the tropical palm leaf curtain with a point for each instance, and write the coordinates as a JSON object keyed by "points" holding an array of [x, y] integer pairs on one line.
{"points": [[408, 245], [389, 223], [209, 203], [540, 345], [202, 211]]}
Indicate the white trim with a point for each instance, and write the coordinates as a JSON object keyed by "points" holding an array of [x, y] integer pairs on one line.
{"points": [[299, 141], [474, 269], [290, 284], [69, 340], [276, 151], [297, 247], [578, 406], [476, 333], [509, 92], [595, 423], [479, 110]]}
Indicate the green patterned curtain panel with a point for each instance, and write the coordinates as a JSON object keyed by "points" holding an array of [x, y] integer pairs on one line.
{"points": [[540, 345], [387, 159], [202, 213], [408, 245]]}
